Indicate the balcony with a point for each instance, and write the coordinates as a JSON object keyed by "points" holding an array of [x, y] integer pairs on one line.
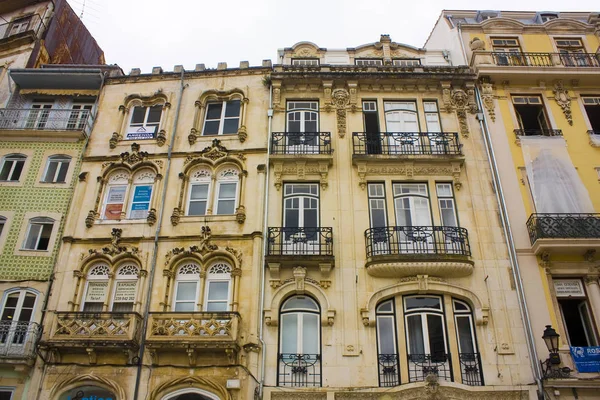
{"points": [[301, 143], [537, 132], [52, 122], [389, 370], [397, 251], [299, 370], [193, 333], [421, 365], [20, 32], [564, 233], [441, 144], [551, 65], [17, 342]]}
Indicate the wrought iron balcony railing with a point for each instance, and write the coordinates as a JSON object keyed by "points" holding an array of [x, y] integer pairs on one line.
{"points": [[46, 119], [300, 242], [301, 143], [470, 369], [106, 327], [412, 240], [538, 132], [563, 226], [299, 370], [421, 365], [407, 143], [580, 59], [389, 370], [520, 59], [21, 27], [202, 327], [17, 339]]}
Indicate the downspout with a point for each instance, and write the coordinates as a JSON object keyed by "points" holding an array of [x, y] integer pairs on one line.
{"points": [[140, 361], [261, 305], [516, 271]]}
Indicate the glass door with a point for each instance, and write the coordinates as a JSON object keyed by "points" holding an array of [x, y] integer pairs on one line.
{"points": [[402, 127], [38, 115], [413, 217], [302, 127], [301, 219], [17, 314]]}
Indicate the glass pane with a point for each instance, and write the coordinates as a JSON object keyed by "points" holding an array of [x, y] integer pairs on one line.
{"points": [[217, 306], [155, 113], [62, 173], [32, 238], [300, 302], [186, 290], [199, 192], [385, 330], [122, 307], [293, 126], [214, 111], [310, 334], [448, 217], [231, 125], [310, 126], [385, 307], [197, 208], [93, 306], [6, 167], [378, 218], [227, 190], [211, 127], [291, 218], [51, 172], [289, 333], [422, 302], [415, 334], [436, 334], [189, 306], [232, 109], [29, 301], [16, 174], [139, 113], [226, 207], [45, 237], [465, 339], [25, 315], [218, 290]]}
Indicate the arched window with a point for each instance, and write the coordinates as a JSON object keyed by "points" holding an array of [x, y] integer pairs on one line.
{"points": [[470, 360], [17, 316], [218, 288], [141, 194], [38, 235], [12, 166], [226, 191], [114, 198], [144, 122], [199, 191], [96, 288], [299, 343], [57, 168], [125, 290], [387, 349], [187, 285]]}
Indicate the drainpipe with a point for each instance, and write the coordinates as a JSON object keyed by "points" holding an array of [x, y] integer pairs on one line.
{"points": [[516, 271], [140, 361], [261, 306]]}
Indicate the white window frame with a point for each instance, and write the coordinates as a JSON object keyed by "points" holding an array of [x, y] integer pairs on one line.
{"points": [[14, 158], [411, 195], [192, 277], [406, 62], [122, 277], [423, 313], [118, 178], [21, 24], [369, 62], [145, 124], [199, 176], [38, 114], [222, 118], [96, 278], [80, 113], [3, 224], [445, 197], [468, 313], [217, 277], [229, 175], [306, 62], [10, 390], [61, 160], [294, 106], [385, 315], [548, 17], [141, 178], [43, 221], [300, 321]]}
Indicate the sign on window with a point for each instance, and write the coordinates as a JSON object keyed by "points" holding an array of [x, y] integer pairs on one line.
{"points": [[141, 202], [568, 288], [125, 292], [96, 292], [140, 132]]}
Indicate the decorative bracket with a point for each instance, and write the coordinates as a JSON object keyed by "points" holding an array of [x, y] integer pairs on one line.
{"points": [[561, 95]]}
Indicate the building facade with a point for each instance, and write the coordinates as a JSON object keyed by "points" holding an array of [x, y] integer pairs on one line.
{"points": [[538, 78]]}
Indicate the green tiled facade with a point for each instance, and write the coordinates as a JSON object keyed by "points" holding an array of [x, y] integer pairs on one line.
{"points": [[29, 198]]}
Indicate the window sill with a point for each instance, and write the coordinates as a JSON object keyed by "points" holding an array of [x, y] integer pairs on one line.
{"points": [[207, 218], [240, 135], [32, 253], [120, 221], [11, 183], [64, 185]]}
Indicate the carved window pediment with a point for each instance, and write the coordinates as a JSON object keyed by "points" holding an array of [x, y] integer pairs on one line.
{"points": [[315, 168]]}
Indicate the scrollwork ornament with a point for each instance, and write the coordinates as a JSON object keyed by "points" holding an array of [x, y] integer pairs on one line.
{"points": [[340, 99], [561, 95], [488, 100]]}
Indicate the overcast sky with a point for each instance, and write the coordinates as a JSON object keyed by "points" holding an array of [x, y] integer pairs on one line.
{"points": [[148, 33]]}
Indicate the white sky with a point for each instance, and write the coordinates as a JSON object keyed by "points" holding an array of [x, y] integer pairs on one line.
{"points": [[147, 33]]}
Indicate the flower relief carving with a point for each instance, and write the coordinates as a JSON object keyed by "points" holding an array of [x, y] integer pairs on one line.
{"points": [[128, 270], [120, 177], [340, 99], [99, 270], [115, 247], [189, 269], [145, 177], [200, 174], [487, 95], [231, 173], [220, 268], [561, 95], [215, 151], [136, 156]]}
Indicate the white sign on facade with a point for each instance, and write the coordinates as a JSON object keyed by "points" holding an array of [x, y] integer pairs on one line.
{"points": [[96, 292], [125, 292], [568, 287]]}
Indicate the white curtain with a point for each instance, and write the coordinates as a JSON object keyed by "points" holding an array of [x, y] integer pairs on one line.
{"points": [[555, 183]]}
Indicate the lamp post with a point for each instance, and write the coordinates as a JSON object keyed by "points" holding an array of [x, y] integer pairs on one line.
{"points": [[550, 367]]}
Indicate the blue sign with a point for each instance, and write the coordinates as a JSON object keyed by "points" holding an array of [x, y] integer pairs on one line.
{"points": [[140, 206], [586, 359], [142, 194], [87, 393]]}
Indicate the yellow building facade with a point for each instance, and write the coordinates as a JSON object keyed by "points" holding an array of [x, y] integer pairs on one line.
{"points": [[538, 81]]}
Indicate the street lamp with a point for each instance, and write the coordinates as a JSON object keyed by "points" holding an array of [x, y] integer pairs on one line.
{"points": [[550, 367]]}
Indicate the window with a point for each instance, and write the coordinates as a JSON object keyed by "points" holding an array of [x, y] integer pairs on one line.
{"points": [[144, 122], [302, 127], [371, 121], [17, 316], [118, 191], [96, 291], [56, 169], [406, 62], [573, 54], [305, 61], [547, 17], [575, 311], [80, 113], [402, 127], [299, 343], [38, 234], [187, 285], [98, 288], [222, 118], [411, 202], [39, 115], [227, 183], [377, 208], [592, 109], [432, 117], [2, 224], [467, 346], [6, 394], [17, 26], [445, 196], [12, 166], [507, 51], [301, 213], [531, 115], [368, 61], [141, 194], [114, 199], [217, 292], [199, 192], [208, 195], [125, 290], [218, 281], [387, 348]]}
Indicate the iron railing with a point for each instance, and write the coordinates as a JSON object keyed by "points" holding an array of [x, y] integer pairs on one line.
{"points": [[411, 240], [579, 59], [46, 119], [470, 369], [563, 226], [538, 132], [520, 59], [21, 26], [407, 143], [17, 339], [389, 370], [421, 365], [301, 143], [300, 241], [299, 370]]}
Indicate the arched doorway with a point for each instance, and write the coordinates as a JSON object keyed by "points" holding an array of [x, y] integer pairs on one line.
{"points": [[191, 394]]}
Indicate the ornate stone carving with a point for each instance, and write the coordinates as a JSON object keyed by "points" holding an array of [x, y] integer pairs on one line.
{"points": [[487, 96], [240, 214], [242, 133], [192, 136], [136, 156], [176, 216], [181, 327], [161, 138], [477, 44], [203, 248], [340, 99], [114, 139], [91, 217], [237, 254], [115, 247], [213, 153], [300, 169], [151, 218], [561, 95]]}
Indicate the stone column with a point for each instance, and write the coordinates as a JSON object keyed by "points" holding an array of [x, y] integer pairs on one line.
{"points": [[593, 293]]}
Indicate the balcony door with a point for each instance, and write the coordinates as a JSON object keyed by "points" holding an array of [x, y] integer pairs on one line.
{"points": [[402, 125], [38, 115], [371, 121], [17, 313], [380, 234], [413, 217], [507, 51], [302, 127], [79, 115], [301, 218]]}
